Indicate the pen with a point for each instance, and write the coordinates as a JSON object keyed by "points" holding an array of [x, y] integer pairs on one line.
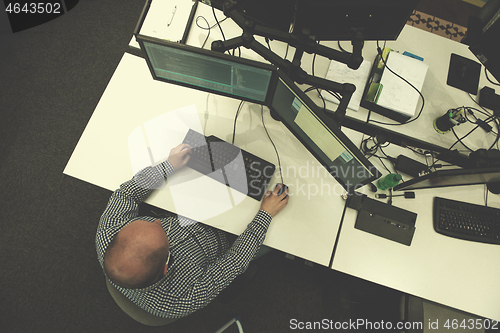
{"points": [[173, 14]]}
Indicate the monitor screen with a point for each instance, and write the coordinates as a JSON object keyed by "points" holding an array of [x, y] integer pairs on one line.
{"points": [[321, 136], [333, 19], [456, 177], [207, 70]]}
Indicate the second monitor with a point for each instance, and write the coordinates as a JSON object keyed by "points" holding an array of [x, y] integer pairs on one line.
{"points": [[315, 129]]}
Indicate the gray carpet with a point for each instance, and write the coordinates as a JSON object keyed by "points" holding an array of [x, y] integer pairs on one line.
{"points": [[52, 77]]}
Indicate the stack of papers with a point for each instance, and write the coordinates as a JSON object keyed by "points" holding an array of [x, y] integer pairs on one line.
{"points": [[394, 93]]}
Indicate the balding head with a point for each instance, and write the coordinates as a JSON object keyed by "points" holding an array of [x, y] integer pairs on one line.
{"points": [[136, 257]]}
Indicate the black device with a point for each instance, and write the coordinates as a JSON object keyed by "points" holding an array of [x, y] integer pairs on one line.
{"points": [[382, 219], [330, 19], [483, 34], [206, 70], [463, 73], [281, 190], [228, 164], [340, 19], [466, 221], [409, 166], [455, 177], [489, 99], [277, 14], [263, 84]]}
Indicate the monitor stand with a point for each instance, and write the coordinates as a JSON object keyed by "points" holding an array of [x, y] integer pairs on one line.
{"points": [[302, 43]]}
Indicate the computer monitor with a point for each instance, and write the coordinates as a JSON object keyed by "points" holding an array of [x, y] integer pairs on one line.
{"points": [[277, 14], [206, 70], [320, 135], [330, 19], [455, 177], [334, 19], [483, 34]]}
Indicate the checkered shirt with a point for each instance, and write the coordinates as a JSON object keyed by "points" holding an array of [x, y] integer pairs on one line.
{"points": [[204, 263]]}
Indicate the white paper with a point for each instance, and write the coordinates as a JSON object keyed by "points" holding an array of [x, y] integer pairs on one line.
{"points": [[167, 19], [339, 72], [396, 94]]}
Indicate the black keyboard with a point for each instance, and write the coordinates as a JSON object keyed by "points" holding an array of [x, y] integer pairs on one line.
{"points": [[228, 164], [467, 221]]}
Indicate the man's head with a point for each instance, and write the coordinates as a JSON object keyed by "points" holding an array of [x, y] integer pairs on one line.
{"points": [[136, 257]]}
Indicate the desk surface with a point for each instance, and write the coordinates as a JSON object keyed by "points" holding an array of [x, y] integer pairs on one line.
{"points": [[309, 225], [450, 271], [132, 97]]}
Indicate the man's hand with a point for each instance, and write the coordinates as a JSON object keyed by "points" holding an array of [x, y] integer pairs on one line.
{"points": [[179, 156], [273, 203]]}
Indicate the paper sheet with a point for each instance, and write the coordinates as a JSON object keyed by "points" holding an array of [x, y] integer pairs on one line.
{"points": [[339, 72], [396, 94], [167, 19]]}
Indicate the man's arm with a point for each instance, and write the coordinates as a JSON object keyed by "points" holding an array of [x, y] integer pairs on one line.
{"points": [[234, 262], [123, 206]]}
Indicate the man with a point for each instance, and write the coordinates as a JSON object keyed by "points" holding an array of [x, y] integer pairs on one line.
{"points": [[172, 267]]}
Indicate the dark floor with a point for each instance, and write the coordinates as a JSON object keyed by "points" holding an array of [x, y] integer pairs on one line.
{"points": [[52, 77]]}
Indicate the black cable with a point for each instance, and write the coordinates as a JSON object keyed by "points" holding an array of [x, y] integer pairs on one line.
{"points": [[411, 85], [341, 48], [208, 28], [276, 150], [312, 71], [268, 45], [383, 164], [460, 140], [486, 195], [485, 113], [390, 159], [236, 117], [488, 78], [497, 139], [334, 94], [218, 23], [472, 130]]}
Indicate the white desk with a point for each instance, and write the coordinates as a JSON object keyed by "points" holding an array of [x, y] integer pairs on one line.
{"points": [[460, 274], [308, 226], [132, 97], [457, 273]]}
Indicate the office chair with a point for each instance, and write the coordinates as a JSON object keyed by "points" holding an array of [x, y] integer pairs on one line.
{"points": [[145, 318], [135, 312], [417, 310]]}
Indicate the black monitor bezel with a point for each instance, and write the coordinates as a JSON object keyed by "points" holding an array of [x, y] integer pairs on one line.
{"points": [[325, 7], [240, 61], [410, 184], [327, 119]]}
